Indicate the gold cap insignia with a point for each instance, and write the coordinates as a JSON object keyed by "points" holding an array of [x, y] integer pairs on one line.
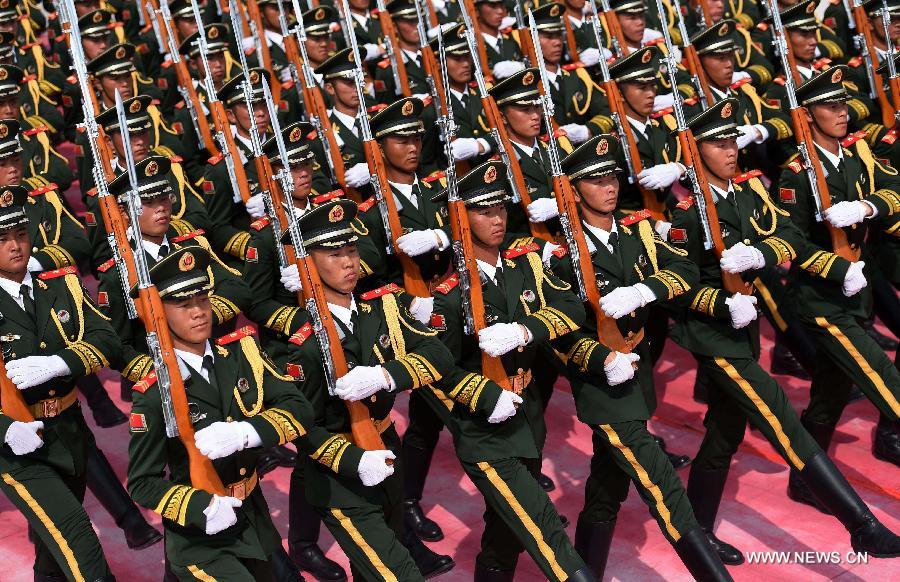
{"points": [[4, 130], [213, 32], [602, 147], [554, 10], [120, 52], [646, 58], [152, 169], [6, 199], [186, 263], [295, 135], [724, 30], [490, 175], [837, 76], [98, 17], [254, 77], [4, 73], [461, 32], [407, 108], [811, 8], [135, 106], [528, 78], [320, 14], [4, 3], [336, 213], [726, 111]]}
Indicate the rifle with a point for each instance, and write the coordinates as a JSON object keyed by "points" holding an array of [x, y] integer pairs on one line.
{"points": [[11, 398], [706, 206], [633, 163], [805, 144], [616, 36], [466, 9], [258, 33], [312, 294], [390, 218], [523, 36], [893, 78], [391, 46], [228, 148], [865, 43], [695, 68], [705, 20]]}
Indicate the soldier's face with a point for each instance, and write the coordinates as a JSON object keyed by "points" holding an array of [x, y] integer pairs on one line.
{"points": [[492, 13], [408, 29], [94, 45], [302, 176], [639, 97], [240, 116], [317, 48], [523, 120], [402, 152], [599, 194], [15, 250], [830, 118], [459, 68], [488, 225], [217, 67], [632, 26], [803, 44], [9, 107], [269, 15], [338, 268], [344, 92], [156, 215], [359, 5], [551, 46], [122, 82], [189, 319], [720, 157], [11, 170], [878, 28], [186, 26], [715, 9], [140, 145], [576, 6], [719, 68]]}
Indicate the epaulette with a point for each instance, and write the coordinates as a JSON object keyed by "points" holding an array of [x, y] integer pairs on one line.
{"points": [[365, 206], [890, 137], [433, 177], [448, 284], [216, 159], [35, 130], [746, 176], [384, 64], [635, 217], [795, 164], [655, 41], [376, 293], [106, 266], [376, 108], [145, 383], [506, 30], [823, 62], [560, 132], [44, 189], [235, 336], [855, 62], [853, 138], [323, 198], [260, 224], [573, 66], [743, 81], [686, 203], [302, 334], [57, 273], [560, 251], [72, 79], [166, 64], [662, 113], [692, 100], [189, 235], [522, 250], [763, 26]]}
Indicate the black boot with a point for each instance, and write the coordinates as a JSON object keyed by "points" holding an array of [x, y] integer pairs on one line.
{"points": [[283, 568], [701, 557], [416, 463], [277, 456], [310, 558], [103, 409], [704, 490], [784, 363], [701, 387], [483, 574], [105, 485], [677, 461], [797, 489], [430, 564], [886, 445], [867, 534], [592, 542]]}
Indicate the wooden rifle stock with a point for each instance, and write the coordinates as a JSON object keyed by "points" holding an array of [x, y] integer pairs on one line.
{"points": [[254, 14], [571, 43], [611, 25], [11, 399], [217, 110], [707, 19], [469, 7], [388, 30], [696, 68], [884, 102], [430, 65]]}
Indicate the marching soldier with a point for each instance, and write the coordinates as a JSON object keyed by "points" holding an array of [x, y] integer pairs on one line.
{"points": [[403, 14], [43, 465], [503, 52], [21, 99], [830, 46]]}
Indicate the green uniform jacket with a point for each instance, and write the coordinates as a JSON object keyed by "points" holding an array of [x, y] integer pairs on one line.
{"points": [[508, 50], [579, 99], [659, 147], [248, 390], [58, 238], [40, 159]]}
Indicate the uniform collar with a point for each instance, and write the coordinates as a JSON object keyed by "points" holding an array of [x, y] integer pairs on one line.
{"points": [[195, 362], [344, 314], [14, 289], [490, 270], [725, 194]]}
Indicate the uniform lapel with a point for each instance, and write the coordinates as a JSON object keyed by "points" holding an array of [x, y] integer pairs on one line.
{"points": [[226, 376], [370, 327], [44, 302], [12, 312], [514, 280]]}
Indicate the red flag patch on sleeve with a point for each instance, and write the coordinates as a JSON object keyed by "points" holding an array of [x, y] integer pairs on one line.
{"points": [[678, 235], [787, 195], [137, 423]]}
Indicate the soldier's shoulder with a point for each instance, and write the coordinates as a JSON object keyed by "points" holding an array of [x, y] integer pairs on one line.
{"points": [[635, 217], [375, 294], [449, 284], [746, 176], [260, 224], [57, 274], [520, 250], [236, 336]]}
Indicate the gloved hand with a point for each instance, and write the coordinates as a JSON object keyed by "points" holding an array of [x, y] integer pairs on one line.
{"points": [[421, 96], [662, 229], [34, 265], [589, 57], [221, 439], [663, 101], [372, 51], [418, 242], [542, 209], [433, 31], [290, 278], [439, 5], [742, 308], [660, 176], [361, 382], [220, 514], [33, 370], [740, 258], [284, 75], [847, 213], [500, 338], [357, 175], [855, 279], [373, 467], [506, 407], [504, 69], [739, 76], [576, 132], [256, 206], [650, 35], [507, 22], [23, 438], [464, 148], [248, 44], [620, 368], [623, 300], [421, 308], [749, 134]]}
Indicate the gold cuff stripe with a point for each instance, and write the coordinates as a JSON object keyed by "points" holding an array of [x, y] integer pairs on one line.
{"points": [[891, 199], [59, 255], [783, 250], [467, 391], [199, 574], [137, 368], [819, 263], [284, 424], [420, 369], [223, 308], [581, 352], [705, 300], [173, 505], [92, 358], [237, 245], [556, 321], [280, 321], [673, 282], [329, 454], [361, 542]]}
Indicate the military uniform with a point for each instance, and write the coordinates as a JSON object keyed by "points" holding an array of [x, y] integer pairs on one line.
{"points": [[503, 47]]}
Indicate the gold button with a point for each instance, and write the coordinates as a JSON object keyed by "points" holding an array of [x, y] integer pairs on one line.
{"points": [[746, 241], [229, 419], [43, 345], [51, 393], [34, 249], [521, 349], [853, 246], [243, 471], [633, 314], [630, 334], [520, 371], [373, 398]]}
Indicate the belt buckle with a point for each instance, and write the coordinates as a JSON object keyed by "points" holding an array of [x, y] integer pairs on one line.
{"points": [[51, 408], [239, 491]]}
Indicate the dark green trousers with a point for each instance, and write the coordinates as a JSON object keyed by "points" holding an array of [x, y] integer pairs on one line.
{"points": [[624, 452], [847, 356], [520, 516], [740, 390], [225, 569]]}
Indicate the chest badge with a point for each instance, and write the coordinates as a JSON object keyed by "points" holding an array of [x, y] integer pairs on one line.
{"points": [[642, 260], [725, 232], [528, 295], [384, 341], [63, 316], [194, 411], [243, 385]]}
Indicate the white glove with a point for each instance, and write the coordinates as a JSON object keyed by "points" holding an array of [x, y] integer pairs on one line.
{"points": [[373, 467], [433, 31], [373, 51], [221, 439], [504, 69], [576, 132], [285, 75], [749, 134], [506, 407], [357, 175], [740, 258], [418, 242], [846, 213], [742, 308], [439, 5], [22, 437], [623, 300], [290, 278], [663, 101], [854, 280], [621, 368], [361, 382], [500, 338], [662, 229], [220, 514], [248, 43], [421, 308], [589, 57], [256, 206], [33, 370], [34, 265], [660, 176], [542, 209], [650, 35], [739, 76], [464, 148], [507, 22]]}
